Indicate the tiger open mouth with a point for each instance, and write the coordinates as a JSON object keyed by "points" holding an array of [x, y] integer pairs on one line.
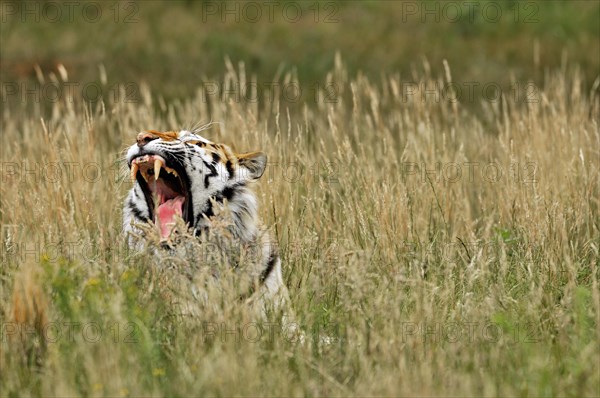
{"points": [[165, 188]]}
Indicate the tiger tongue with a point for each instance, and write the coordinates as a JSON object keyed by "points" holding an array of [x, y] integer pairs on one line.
{"points": [[165, 215]]}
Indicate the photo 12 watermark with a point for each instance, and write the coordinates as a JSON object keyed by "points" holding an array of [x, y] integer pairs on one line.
{"points": [[58, 172], [466, 332], [70, 332], [471, 172], [69, 11], [466, 92], [492, 12], [69, 92], [270, 11]]}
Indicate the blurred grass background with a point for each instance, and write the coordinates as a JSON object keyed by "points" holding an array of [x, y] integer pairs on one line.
{"points": [[177, 45]]}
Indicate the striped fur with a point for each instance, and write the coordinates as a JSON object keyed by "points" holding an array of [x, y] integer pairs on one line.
{"points": [[211, 175]]}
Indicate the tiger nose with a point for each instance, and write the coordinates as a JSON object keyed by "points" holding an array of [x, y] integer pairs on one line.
{"points": [[144, 137]]}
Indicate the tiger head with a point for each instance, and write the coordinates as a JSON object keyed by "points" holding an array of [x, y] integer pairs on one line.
{"points": [[183, 174]]}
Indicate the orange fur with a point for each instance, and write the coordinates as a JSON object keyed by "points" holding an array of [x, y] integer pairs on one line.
{"points": [[166, 135]]}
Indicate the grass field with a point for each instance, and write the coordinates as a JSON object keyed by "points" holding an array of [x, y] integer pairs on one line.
{"points": [[431, 247], [441, 256]]}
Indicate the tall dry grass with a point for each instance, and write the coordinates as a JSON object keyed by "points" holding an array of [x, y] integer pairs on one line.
{"points": [[429, 249]]}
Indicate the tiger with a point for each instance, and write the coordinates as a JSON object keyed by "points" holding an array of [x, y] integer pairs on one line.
{"points": [[182, 176]]}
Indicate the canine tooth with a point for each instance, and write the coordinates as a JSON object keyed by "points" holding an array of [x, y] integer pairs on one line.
{"points": [[134, 170], [157, 166]]}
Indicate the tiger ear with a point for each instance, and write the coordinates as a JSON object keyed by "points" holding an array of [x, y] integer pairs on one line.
{"points": [[254, 162]]}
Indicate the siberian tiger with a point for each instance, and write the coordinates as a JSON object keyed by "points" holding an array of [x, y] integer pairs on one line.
{"points": [[182, 175]]}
